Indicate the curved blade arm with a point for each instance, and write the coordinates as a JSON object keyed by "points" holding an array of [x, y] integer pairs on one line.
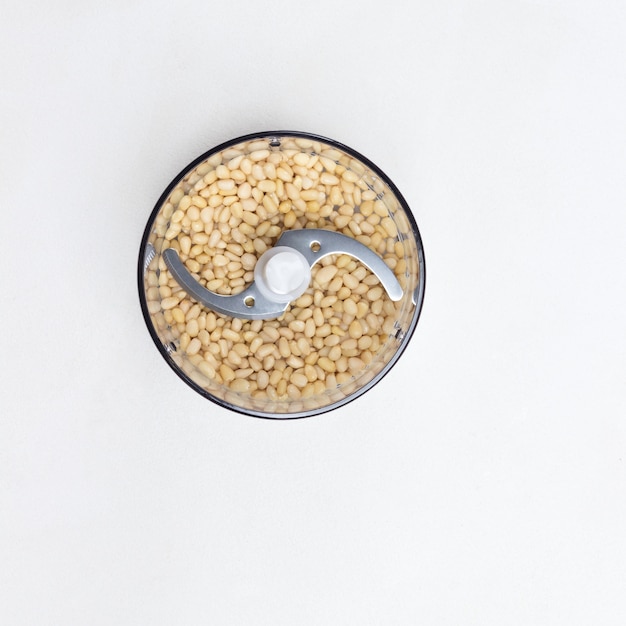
{"points": [[249, 304], [316, 243]]}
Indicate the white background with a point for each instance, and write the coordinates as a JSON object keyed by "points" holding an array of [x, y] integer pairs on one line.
{"points": [[483, 482]]}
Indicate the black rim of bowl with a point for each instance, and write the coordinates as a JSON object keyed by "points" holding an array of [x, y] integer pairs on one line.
{"points": [[418, 296]]}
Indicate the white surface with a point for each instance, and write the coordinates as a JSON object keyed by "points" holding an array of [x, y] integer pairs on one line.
{"points": [[482, 482]]}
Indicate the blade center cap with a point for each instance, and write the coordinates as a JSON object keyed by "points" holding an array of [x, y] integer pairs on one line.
{"points": [[282, 274]]}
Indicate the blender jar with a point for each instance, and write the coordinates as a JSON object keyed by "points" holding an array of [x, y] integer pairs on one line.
{"points": [[281, 274]]}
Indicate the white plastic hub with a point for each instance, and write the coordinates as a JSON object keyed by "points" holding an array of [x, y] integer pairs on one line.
{"points": [[282, 274]]}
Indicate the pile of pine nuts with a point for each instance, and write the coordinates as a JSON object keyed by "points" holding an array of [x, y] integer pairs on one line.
{"points": [[221, 217]]}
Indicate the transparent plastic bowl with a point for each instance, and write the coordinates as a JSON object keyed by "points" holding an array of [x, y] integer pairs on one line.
{"points": [[228, 207]]}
